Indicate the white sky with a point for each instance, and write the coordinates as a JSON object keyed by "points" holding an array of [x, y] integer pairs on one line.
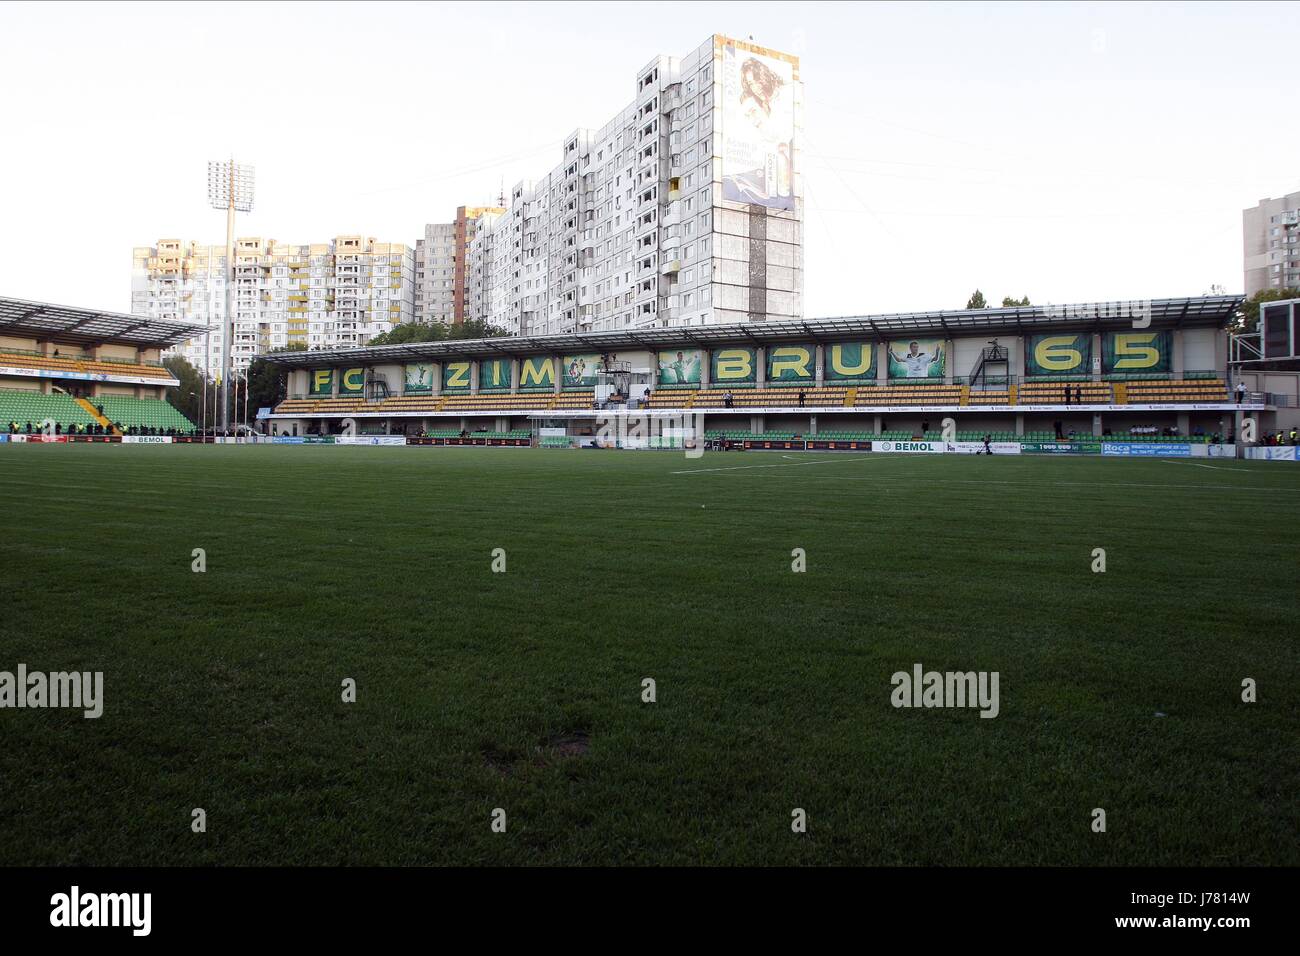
{"points": [[1070, 152]]}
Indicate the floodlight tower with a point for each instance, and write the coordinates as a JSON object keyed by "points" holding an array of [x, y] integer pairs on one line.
{"points": [[230, 187]]}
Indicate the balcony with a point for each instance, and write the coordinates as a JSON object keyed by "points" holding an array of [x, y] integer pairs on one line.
{"points": [[670, 267]]}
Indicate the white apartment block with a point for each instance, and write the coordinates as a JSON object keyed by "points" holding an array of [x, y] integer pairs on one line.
{"points": [[1271, 240], [321, 295], [442, 276], [435, 274], [685, 209]]}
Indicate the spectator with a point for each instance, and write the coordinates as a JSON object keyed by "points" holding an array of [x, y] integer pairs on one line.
{"points": [[29, 428], [1067, 395], [801, 398], [1078, 395], [1241, 392], [727, 399]]}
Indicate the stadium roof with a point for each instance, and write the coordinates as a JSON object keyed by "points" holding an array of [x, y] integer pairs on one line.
{"points": [[67, 323], [1215, 310]]}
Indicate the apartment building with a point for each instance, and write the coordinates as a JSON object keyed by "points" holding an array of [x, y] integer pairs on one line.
{"points": [[1271, 244], [684, 209], [319, 295], [442, 275]]}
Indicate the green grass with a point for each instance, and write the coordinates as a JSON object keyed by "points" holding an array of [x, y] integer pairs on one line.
{"points": [[223, 689]]}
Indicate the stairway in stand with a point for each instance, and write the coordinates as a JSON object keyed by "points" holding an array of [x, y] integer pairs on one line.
{"points": [[93, 412]]}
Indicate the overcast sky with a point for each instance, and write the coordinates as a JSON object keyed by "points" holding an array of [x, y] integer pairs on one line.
{"points": [[1068, 152]]}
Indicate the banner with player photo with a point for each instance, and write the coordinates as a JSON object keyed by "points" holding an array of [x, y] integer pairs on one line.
{"points": [[1069, 354], [1137, 352], [917, 359], [680, 367], [580, 370], [792, 363], [418, 380], [850, 362]]}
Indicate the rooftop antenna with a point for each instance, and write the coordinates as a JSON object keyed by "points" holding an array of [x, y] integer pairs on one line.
{"points": [[501, 194]]}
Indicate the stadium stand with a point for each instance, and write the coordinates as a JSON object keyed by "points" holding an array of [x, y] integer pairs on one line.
{"points": [[1194, 390], [80, 363], [63, 363], [35, 407], [746, 381], [917, 394], [143, 412]]}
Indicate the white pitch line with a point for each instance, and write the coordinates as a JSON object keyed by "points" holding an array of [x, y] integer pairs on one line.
{"points": [[1197, 464], [828, 461], [1098, 485]]}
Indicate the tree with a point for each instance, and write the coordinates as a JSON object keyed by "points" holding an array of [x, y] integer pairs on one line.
{"points": [[476, 329], [267, 382], [409, 332], [1247, 319], [187, 397], [976, 301], [1010, 303]]}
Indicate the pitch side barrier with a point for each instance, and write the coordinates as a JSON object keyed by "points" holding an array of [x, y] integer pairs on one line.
{"points": [[1117, 449]]}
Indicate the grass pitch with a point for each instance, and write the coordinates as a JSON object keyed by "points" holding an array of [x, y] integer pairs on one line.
{"points": [[522, 690]]}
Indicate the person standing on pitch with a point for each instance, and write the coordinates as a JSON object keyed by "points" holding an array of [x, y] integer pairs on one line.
{"points": [[987, 449]]}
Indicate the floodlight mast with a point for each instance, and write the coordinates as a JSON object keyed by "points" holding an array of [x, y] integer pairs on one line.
{"points": [[230, 187]]}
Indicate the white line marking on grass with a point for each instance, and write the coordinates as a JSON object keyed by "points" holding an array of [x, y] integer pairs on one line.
{"points": [[828, 461], [1197, 464], [1099, 485]]}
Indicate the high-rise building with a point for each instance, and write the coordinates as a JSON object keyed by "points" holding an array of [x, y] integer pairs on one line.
{"points": [[1271, 244], [442, 276], [684, 209], [319, 295], [435, 274]]}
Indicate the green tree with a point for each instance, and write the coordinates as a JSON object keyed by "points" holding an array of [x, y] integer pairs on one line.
{"points": [[187, 397], [1010, 303], [267, 382], [1247, 319], [477, 329], [409, 332], [976, 301]]}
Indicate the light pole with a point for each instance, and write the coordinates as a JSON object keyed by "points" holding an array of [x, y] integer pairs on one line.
{"points": [[230, 187]]}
